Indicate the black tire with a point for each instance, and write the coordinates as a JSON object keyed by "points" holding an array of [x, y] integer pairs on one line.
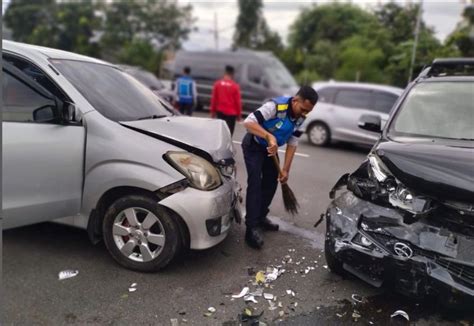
{"points": [[166, 228], [319, 134]]}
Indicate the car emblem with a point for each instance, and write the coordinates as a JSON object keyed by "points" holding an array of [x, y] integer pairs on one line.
{"points": [[403, 250]]}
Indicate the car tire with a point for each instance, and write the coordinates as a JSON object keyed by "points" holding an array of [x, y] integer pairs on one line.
{"points": [[334, 264], [319, 134], [139, 234]]}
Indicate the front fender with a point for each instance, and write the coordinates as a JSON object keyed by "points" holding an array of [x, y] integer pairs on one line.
{"points": [[109, 175]]}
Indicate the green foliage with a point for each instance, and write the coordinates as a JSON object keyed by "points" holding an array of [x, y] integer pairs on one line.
{"points": [[462, 39], [140, 53], [251, 29], [67, 26], [132, 32]]}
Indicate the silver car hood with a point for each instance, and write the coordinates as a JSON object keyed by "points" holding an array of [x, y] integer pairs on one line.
{"points": [[209, 135]]}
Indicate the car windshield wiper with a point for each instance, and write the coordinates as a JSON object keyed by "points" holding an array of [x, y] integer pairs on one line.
{"points": [[154, 116]]}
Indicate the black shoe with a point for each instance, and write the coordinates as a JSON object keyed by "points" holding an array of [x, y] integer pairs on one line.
{"points": [[268, 225], [254, 238]]}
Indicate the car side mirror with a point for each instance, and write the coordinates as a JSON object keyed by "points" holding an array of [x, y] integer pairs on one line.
{"points": [[371, 123], [69, 113], [47, 113]]}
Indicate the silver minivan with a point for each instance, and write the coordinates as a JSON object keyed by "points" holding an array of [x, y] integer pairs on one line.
{"points": [[341, 106], [88, 145]]}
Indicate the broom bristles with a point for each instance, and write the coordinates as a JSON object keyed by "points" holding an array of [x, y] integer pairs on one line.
{"points": [[289, 199]]}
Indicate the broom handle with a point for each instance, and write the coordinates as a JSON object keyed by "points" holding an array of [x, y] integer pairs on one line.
{"points": [[277, 164]]}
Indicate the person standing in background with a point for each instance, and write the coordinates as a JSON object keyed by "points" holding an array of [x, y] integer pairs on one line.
{"points": [[225, 100], [186, 93]]}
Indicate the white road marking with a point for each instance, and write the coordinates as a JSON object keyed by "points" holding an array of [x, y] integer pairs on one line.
{"points": [[280, 150]]}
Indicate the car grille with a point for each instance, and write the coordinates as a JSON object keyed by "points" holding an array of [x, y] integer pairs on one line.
{"points": [[461, 273]]}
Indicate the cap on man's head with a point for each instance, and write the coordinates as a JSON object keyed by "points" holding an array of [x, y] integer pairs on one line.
{"points": [[229, 70], [308, 93]]}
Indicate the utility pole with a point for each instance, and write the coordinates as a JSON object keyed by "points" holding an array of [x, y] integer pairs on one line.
{"points": [[415, 43], [216, 31]]}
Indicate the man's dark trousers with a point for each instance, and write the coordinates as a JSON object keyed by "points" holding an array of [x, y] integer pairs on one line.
{"points": [[262, 181], [229, 119]]}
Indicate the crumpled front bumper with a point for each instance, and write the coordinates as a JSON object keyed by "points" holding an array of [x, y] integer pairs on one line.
{"points": [[418, 257], [196, 207]]}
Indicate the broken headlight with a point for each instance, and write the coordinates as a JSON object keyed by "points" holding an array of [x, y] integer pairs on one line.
{"points": [[398, 195], [378, 168], [200, 173]]}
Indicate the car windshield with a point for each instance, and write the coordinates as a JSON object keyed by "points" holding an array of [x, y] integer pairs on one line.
{"points": [[115, 94], [146, 77], [277, 74], [437, 110]]}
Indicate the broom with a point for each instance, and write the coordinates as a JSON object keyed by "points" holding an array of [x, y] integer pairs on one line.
{"points": [[289, 199]]}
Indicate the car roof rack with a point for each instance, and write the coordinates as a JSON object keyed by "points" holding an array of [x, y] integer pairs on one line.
{"points": [[449, 67]]}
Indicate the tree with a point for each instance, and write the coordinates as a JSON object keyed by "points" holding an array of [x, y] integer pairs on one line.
{"points": [[67, 26], [463, 36], [162, 24], [332, 22], [252, 30]]}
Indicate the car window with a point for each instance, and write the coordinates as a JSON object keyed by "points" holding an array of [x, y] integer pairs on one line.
{"points": [[353, 98], [383, 102], [255, 74], [327, 94], [35, 74], [20, 100]]}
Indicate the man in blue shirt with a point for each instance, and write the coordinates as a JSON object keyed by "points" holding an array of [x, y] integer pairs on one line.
{"points": [[186, 93], [272, 125]]}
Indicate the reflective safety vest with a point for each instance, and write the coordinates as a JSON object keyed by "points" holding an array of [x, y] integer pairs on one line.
{"points": [[184, 87], [282, 126]]}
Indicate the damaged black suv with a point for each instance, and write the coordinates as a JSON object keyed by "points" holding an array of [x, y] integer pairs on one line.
{"points": [[407, 215]]}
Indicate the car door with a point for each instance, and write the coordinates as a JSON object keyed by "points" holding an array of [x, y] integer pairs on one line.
{"points": [[349, 105], [43, 160]]}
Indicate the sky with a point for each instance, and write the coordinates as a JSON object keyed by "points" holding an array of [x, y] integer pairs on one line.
{"points": [[441, 15]]}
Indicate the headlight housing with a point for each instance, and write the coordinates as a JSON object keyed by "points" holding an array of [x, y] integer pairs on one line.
{"points": [[378, 168], [200, 173]]}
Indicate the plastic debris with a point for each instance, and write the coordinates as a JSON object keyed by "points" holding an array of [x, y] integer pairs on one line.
{"points": [[260, 277], [356, 315], [67, 274], [242, 293], [211, 309], [281, 313], [280, 304], [357, 298], [306, 271], [250, 298], [134, 285], [132, 289], [257, 293], [325, 266], [289, 292], [247, 317], [272, 276], [273, 306], [400, 313], [208, 314], [341, 315], [268, 296], [174, 322], [296, 304]]}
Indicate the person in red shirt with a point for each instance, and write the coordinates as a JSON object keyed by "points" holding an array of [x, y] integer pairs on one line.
{"points": [[225, 101]]}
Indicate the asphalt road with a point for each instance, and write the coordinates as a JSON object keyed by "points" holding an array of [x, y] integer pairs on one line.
{"points": [[99, 295]]}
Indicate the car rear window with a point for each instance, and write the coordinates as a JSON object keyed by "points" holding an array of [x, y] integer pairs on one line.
{"points": [[353, 98]]}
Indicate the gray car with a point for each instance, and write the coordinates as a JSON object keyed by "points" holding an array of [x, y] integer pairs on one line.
{"points": [[88, 145], [340, 108]]}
